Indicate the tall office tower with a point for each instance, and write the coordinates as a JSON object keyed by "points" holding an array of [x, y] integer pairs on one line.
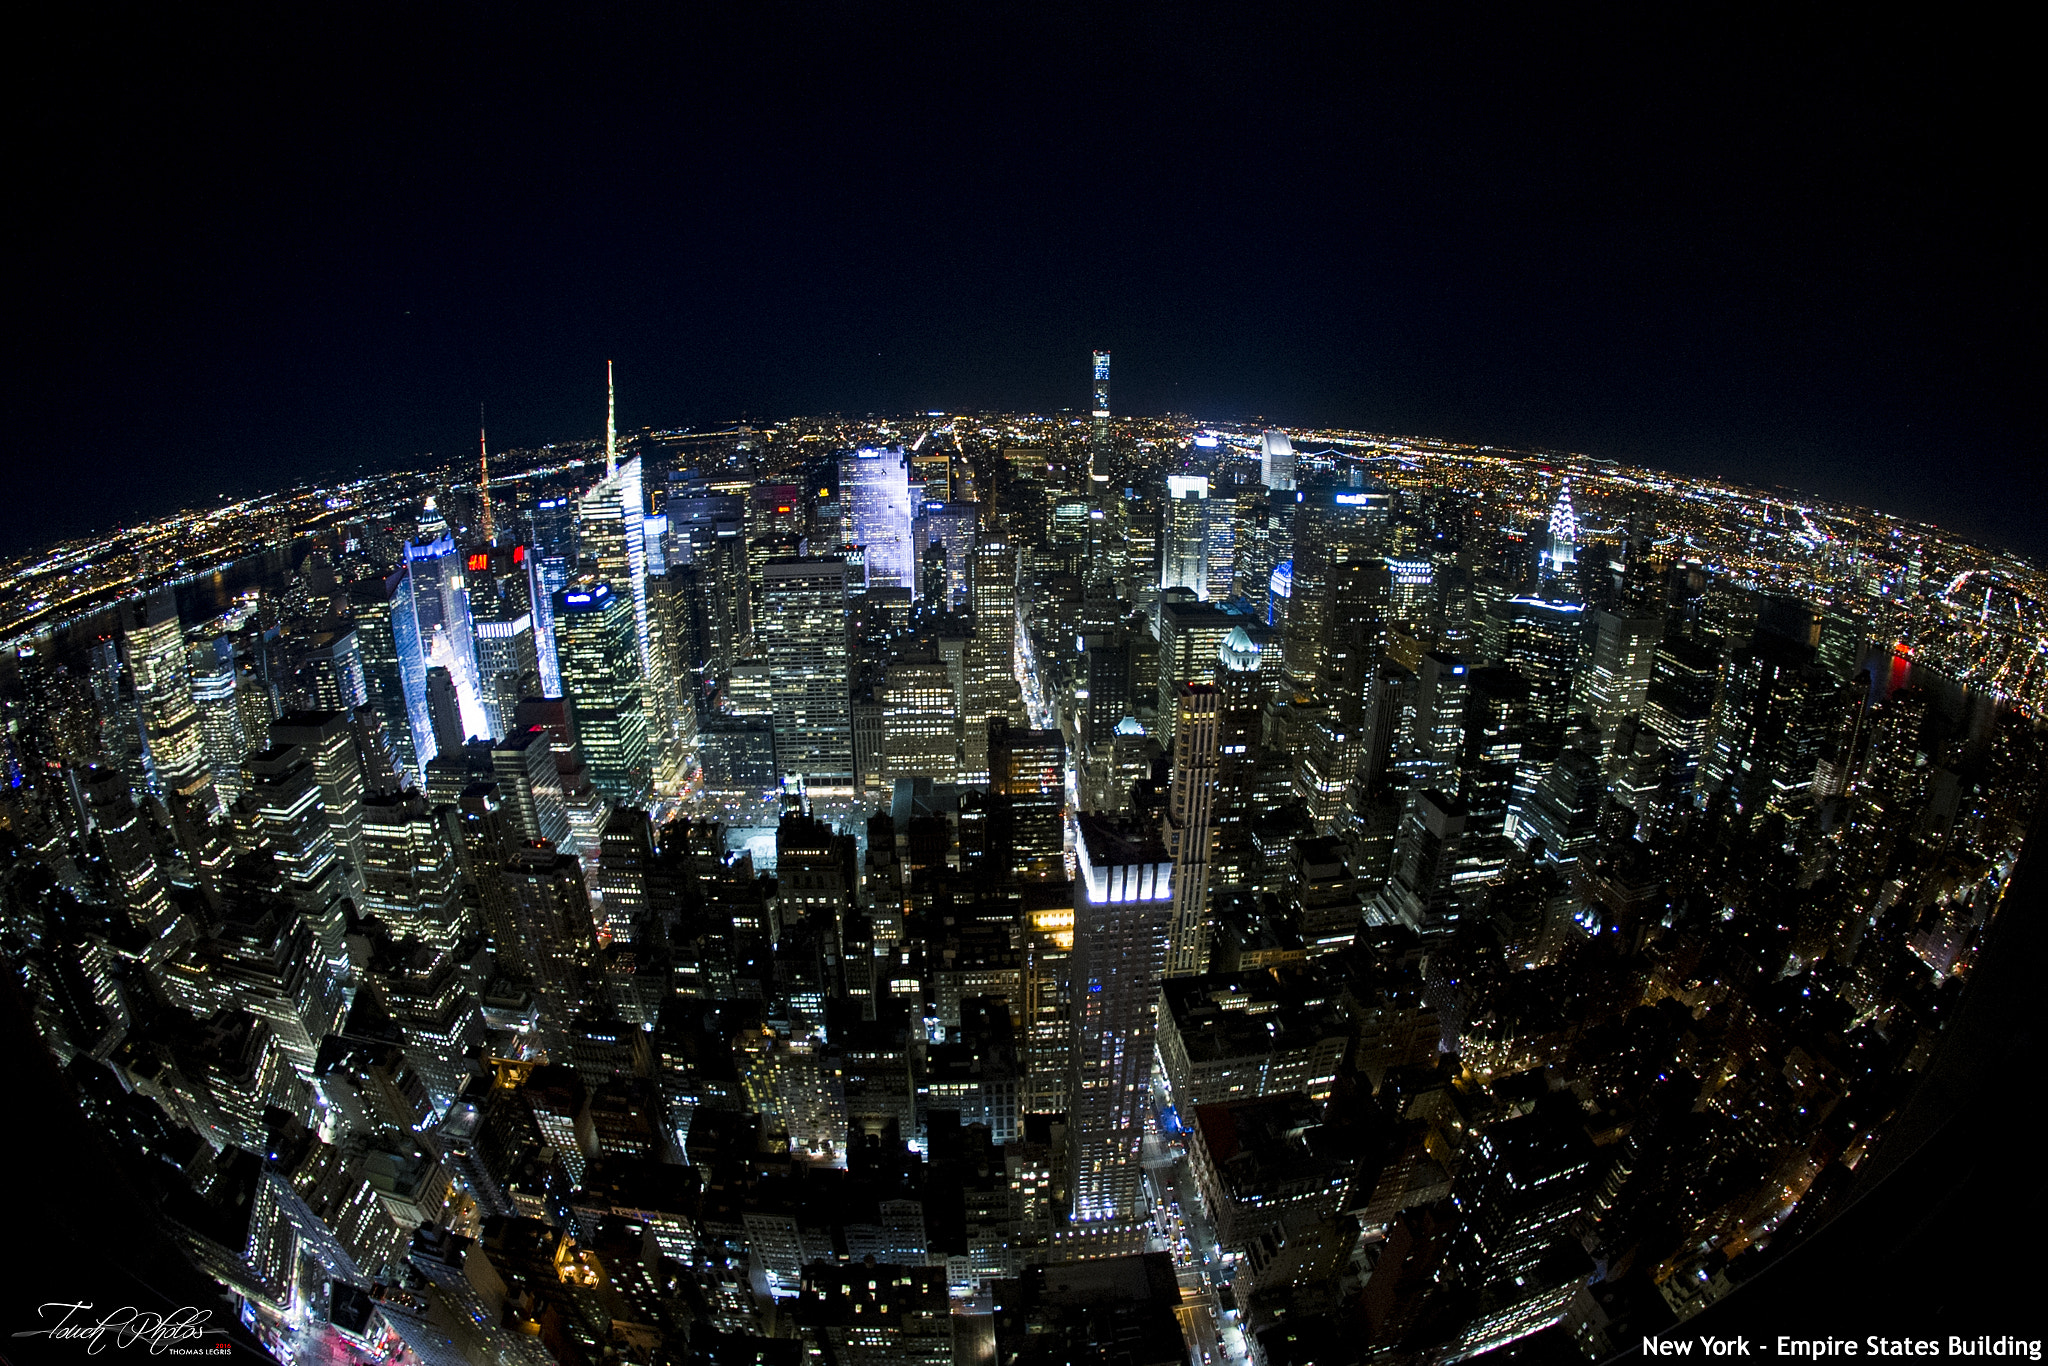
{"points": [[1276, 461], [679, 596], [1028, 771], [263, 958], [395, 667], [1184, 538], [1557, 565], [1123, 901], [1190, 633], [1354, 633], [444, 709], [1436, 744], [1542, 639], [1564, 809], [1190, 827], [992, 689], [612, 520], [1624, 656], [501, 605], [1334, 525], [523, 763], [120, 731], [603, 685], [440, 601], [328, 740], [1241, 697], [1106, 655], [1491, 778], [555, 554], [625, 858], [409, 870], [555, 939], [153, 643], [1678, 705], [805, 631], [1770, 725], [283, 792], [220, 714], [920, 722], [680, 622], [1101, 409], [1420, 894], [951, 525], [723, 587], [327, 670], [875, 484], [1219, 565], [136, 882]]}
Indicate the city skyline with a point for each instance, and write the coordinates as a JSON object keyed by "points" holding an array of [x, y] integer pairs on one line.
{"points": [[1407, 894], [1325, 686], [1793, 255]]}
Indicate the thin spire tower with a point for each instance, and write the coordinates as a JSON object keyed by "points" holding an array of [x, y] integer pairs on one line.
{"points": [[611, 433], [484, 452]]}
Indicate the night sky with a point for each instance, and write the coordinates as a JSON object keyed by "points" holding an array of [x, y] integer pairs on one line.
{"points": [[249, 253]]}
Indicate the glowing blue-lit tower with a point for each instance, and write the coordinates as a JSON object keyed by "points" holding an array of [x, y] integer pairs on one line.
{"points": [[875, 484], [440, 602], [1101, 399], [1557, 567]]}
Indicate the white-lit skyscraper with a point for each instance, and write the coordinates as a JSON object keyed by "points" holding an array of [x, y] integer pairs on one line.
{"points": [[875, 485], [1276, 460], [1123, 901], [1557, 566], [805, 631], [1184, 543]]}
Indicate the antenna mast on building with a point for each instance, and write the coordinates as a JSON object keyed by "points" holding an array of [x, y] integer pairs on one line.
{"points": [[484, 453]]}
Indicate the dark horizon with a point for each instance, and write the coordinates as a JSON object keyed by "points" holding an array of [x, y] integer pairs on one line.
{"points": [[1798, 257]]}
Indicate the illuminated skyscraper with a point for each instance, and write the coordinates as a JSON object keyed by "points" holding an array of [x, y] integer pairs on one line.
{"points": [[409, 870], [1101, 410], [951, 526], [1028, 775], [1190, 829], [612, 521], [605, 690], [875, 485], [395, 667], [135, 880], [1557, 565], [1624, 655], [153, 643], [1184, 540], [1123, 901], [501, 604], [220, 714], [1334, 525], [440, 602], [920, 722], [1276, 461], [992, 689], [327, 739], [555, 552], [805, 632]]}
